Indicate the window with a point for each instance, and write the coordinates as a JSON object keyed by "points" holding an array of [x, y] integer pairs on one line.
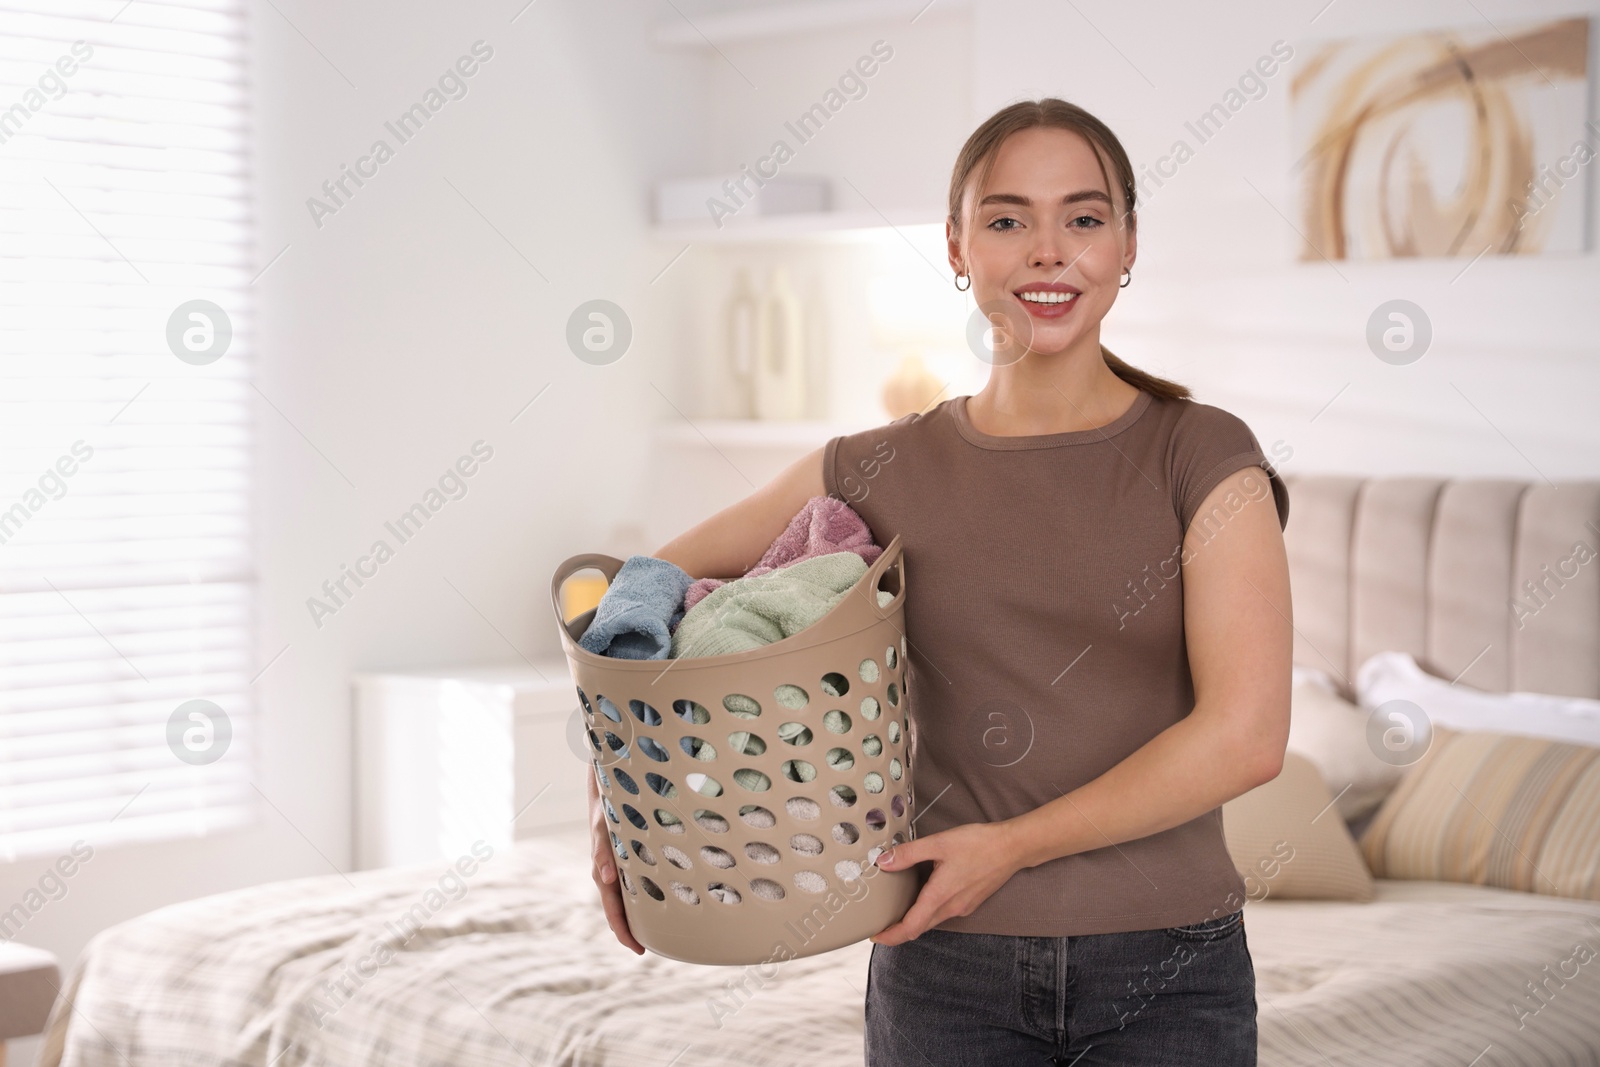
{"points": [[126, 335]]}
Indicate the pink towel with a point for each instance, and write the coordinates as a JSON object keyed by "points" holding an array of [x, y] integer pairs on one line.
{"points": [[826, 524]]}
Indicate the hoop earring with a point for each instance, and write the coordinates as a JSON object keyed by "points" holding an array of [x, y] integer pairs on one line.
{"points": [[959, 286], [1127, 276]]}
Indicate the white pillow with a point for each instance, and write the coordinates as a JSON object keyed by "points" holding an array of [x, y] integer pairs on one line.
{"points": [[1396, 676], [1331, 732], [1300, 675]]}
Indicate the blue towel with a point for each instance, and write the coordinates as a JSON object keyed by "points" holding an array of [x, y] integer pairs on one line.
{"points": [[635, 618]]}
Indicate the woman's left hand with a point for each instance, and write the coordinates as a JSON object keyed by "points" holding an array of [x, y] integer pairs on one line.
{"points": [[969, 863]]}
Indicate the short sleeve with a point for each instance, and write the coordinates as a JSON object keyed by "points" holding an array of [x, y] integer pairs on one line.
{"points": [[1208, 445], [830, 458], [852, 462]]}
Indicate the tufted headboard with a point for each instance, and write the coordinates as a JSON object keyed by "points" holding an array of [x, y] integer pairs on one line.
{"points": [[1497, 582]]}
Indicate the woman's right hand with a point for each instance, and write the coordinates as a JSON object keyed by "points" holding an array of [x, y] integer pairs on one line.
{"points": [[605, 867], [726, 544]]}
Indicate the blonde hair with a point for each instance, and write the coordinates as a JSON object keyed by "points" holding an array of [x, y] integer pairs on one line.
{"points": [[983, 147]]}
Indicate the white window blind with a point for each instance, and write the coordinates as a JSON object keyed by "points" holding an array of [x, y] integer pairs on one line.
{"points": [[126, 584]]}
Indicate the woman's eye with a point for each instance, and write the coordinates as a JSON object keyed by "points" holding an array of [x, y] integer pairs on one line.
{"points": [[1091, 221]]}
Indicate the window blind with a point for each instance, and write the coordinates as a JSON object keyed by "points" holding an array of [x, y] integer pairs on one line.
{"points": [[126, 583]]}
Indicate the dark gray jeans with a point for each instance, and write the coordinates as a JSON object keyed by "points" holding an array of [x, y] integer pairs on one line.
{"points": [[1172, 997]]}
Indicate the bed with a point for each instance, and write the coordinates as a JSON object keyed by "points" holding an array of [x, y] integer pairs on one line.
{"points": [[513, 963]]}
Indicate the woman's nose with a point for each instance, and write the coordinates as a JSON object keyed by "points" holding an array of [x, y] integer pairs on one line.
{"points": [[1047, 254]]}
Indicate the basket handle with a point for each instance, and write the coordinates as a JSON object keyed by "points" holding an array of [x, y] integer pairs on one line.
{"points": [[607, 565], [893, 556]]}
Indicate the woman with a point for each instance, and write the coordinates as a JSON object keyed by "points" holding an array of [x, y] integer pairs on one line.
{"points": [[1100, 646]]}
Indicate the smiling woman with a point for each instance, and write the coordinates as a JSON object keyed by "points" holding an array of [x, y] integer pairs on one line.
{"points": [[1060, 880]]}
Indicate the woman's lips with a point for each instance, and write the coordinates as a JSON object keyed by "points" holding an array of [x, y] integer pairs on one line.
{"points": [[1048, 311]]}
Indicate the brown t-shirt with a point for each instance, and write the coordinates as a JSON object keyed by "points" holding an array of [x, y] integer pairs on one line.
{"points": [[1044, 624]]}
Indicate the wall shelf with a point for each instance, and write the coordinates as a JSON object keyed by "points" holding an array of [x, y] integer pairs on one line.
{"points": [[753, 433], [822, 226], [781, 20]]}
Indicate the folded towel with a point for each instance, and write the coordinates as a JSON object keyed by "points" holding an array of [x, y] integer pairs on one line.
{"points": [[635, 617], [754, 611], [825, 525]]}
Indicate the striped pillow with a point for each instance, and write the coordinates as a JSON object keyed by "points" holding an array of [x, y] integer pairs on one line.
{"points": [[1494, 809]]}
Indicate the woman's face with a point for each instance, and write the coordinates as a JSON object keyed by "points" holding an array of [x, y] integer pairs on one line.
{"points": [[1045, 221]]}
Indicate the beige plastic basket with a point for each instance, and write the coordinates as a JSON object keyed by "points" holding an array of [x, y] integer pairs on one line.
{"points": [[729, 850]]}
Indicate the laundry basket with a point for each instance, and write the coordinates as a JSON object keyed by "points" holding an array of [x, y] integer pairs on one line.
{"points": [[748, 794]]}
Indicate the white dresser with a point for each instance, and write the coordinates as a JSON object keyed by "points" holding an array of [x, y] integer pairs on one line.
{"points": [[446, 757]]}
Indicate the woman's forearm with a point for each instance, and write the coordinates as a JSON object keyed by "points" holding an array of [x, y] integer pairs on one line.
{"points": [[733, 540], [1186, 770], [719, 547]]}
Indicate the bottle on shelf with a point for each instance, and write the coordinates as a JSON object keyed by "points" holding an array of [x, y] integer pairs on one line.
{"points": [[780, 384], [743, 314]]}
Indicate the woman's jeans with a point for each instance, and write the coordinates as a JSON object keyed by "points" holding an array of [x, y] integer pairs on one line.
{"points": [[1145, 998]]}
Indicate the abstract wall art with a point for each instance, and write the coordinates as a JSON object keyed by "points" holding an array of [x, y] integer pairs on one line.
{"points": [[1448, 143]]}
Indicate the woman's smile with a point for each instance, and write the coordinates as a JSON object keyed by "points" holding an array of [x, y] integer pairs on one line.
{"points": [[1048, 300]]}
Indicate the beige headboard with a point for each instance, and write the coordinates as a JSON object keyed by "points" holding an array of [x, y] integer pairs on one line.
{"points": [[1436, 567]]}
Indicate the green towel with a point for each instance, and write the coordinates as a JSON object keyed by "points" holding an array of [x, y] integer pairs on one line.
{"points": [[751, 612]]}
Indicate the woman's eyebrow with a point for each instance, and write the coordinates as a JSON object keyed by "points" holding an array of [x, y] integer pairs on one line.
{"points": [[1022, 201]]}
